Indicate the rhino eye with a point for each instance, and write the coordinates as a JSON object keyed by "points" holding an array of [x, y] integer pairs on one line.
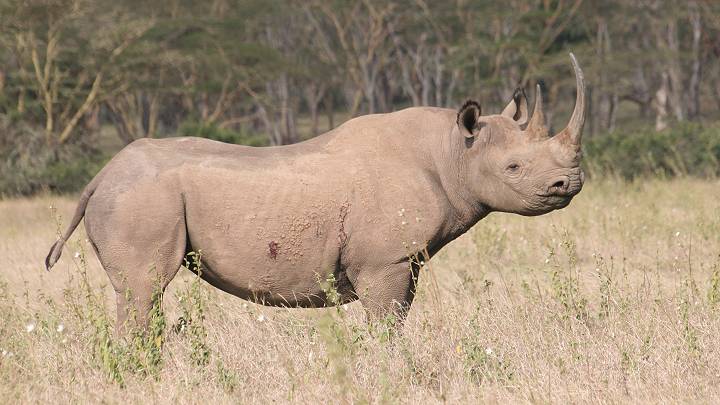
{"points": [[513, 167]]}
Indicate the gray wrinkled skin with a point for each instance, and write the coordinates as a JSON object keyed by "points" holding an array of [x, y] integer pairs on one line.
{"points": [[357, 203]]}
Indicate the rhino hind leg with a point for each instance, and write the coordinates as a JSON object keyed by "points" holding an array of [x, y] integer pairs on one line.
{"points": [[140, 256], [387, 292]]}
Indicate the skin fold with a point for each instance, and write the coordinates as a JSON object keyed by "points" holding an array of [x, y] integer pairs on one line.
{"points": [[361, 205]]}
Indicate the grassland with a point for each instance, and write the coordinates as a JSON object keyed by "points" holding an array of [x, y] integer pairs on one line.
{"points": [[613, 299]]}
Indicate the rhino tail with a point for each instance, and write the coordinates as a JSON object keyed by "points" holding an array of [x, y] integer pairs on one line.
{"points": [[57, 247]]}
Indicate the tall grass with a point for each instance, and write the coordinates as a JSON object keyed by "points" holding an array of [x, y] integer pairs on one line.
{"points": [[613, 299]]}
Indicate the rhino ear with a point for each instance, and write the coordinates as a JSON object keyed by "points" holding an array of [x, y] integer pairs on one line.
{"points": [[467, 118], [518, 107]]}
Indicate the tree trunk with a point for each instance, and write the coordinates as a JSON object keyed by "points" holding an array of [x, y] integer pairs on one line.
{"points": [[329, 103], [439, 74], [591, 119], [612, 113], [661, 101], [404, 62], [675, 91], [716, 91], [451, 88], [696, 68], [313, 119], [314, 94], [642, 89]]}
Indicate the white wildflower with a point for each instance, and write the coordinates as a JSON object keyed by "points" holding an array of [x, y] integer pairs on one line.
{"points": [[677, 234], [404, 223], [77, 254], [488, 351], [30, 327], [60, 328], [261, 318], [345, 307], [414, 243]]}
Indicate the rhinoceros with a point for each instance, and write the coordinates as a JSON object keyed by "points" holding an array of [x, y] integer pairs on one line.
{"points": [[362, 205]]}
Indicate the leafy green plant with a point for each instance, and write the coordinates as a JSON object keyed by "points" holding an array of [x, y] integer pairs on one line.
{"points": [[214, 132], [193, 305], [482, 362], [139, 352], [564, 280], [689, 149]]}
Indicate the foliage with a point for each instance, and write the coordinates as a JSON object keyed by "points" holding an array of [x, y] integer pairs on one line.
{"points": [[262, 72], [686, 150], [212, 131], [27, 166], [140, 353], [193, 304]]}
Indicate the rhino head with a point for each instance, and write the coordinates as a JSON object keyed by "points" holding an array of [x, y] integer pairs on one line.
{"points": [[512, 162]]}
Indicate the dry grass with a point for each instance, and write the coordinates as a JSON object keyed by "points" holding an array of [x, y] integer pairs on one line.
{"points": [[614, 299]]}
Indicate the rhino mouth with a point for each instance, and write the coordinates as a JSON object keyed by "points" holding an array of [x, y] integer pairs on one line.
{"points": [[561, 195], [557, 201]]}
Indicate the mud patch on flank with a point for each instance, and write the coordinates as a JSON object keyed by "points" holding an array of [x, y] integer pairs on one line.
{"points": [[273, 249]]}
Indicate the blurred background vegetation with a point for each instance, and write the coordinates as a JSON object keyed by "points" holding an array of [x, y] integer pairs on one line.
{"points": [[79, 79]]}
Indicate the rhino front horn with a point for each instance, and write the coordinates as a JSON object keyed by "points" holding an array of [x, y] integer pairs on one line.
{"points": [[573, 131]]}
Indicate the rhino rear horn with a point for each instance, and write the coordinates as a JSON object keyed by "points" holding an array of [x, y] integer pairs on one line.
{"points": [[536, 128], [517, 109]]}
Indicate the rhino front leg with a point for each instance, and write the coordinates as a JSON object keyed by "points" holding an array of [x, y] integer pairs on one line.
{"points": [[387, 291]]}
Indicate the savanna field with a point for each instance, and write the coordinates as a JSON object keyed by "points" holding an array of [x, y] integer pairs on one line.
{"points": [[613, 299]]}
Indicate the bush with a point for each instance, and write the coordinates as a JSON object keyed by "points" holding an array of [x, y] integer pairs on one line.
{"points": [[212, 131], [28, 165], [686, 150]]}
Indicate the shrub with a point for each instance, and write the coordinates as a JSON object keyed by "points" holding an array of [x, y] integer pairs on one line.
{"points": [[686, 150], [28, 165], [212, 131]]}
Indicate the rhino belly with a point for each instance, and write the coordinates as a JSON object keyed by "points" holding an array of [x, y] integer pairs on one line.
{"points": [[271, 257]]}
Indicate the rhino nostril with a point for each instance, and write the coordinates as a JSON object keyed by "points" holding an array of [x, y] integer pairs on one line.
{"points": [[561, 184]]}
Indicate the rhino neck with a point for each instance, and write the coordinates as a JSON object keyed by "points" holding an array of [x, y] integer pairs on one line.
{"points": [[450, 165]]}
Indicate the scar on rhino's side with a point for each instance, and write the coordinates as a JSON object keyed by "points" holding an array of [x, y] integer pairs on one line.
{"points": [[273, 249], [342, 236]]}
